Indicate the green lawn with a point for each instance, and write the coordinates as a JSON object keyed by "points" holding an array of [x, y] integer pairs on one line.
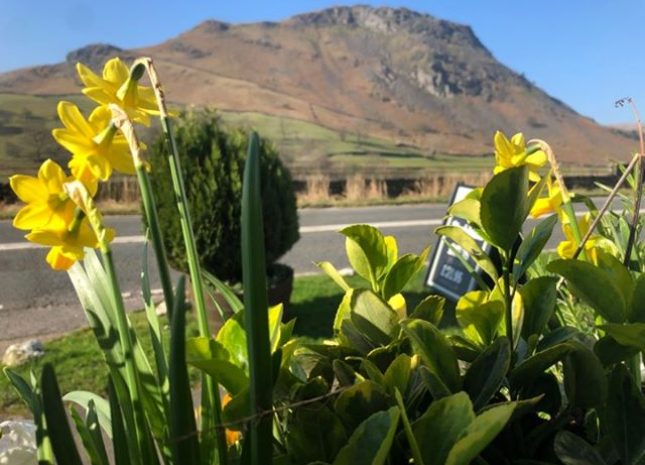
{"points": [[79, 364]]}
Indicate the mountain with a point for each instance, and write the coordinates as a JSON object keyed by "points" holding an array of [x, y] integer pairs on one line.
{"points": [[345, 86]]}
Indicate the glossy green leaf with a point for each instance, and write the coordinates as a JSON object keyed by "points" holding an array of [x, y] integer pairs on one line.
{"points": [[630, 334], [532, 245], [483, 429], [366, 251], [398, 374], [430, 309], [373, 317], [433, 383], [487, 373], [610, 351], [401, 272], [232, 336], [584, 377], [583, 279], [505, 206], [472, 248], [441, 426], [637, 311], [479, 318], [539, 296], [573, 450], [625, 416], [343, 311], [358, 402], [524, 373], [371, 442], [467, 209], [435, 351]]}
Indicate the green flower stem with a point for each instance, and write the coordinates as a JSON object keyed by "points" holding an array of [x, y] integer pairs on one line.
{"points": [[508, 298], [132, 378], [210, 392], [122, 122], [150, 208]]}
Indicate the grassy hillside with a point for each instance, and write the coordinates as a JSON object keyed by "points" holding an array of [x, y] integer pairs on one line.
{"points": [[26, 122]]}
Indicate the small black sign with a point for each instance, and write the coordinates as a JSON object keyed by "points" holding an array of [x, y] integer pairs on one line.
{"points": [[447, 274]]}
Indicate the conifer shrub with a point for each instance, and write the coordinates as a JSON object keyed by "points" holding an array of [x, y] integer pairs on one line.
{"points": [[212, 160]]}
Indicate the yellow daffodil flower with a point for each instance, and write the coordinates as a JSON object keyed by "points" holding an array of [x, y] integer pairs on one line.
{"points": [[568, 247], [511, 153], [67, 244], [550, 204], [117, 87], [48, 206], [96, 146]]}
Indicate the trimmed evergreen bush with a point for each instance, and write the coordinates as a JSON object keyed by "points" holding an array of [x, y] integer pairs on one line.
{"points": [[212, 160]]}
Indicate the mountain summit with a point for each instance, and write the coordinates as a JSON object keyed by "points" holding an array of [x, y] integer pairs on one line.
{"points": [[383, 73]]}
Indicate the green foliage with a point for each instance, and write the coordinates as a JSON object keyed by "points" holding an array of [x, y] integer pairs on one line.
{"points": [[212, 159]]}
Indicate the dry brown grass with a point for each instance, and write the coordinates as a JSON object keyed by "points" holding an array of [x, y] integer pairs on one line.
{"points": [[358, 189], [316, 190], [440, 186]]}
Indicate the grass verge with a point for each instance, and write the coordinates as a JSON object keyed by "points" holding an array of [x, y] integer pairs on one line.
{"points": [[79, 363]]}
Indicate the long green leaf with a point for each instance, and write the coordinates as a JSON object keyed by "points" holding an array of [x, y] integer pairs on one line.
{"points": [[59, 431], [183, 429], [256, 310], [119, 435]]}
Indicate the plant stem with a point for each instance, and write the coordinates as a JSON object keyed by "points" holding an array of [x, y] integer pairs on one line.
{"points": [[508, 300], [132, 378], [606, 205], [210, 392], [639, 188], [122, 122]]}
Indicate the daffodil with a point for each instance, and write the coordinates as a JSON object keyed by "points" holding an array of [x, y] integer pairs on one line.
{"points": [[95, 144], [512, 153], [67, 244], [48, 206], [550, 204], [567, 248], [117, 86]]}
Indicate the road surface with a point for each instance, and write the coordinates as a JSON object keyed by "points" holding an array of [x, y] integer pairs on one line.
{"points": [[38, 302]]}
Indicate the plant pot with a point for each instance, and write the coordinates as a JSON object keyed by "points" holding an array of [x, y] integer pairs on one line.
{"points": [[279, 288]]}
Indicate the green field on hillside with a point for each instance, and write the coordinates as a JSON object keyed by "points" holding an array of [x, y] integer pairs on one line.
{"points": [[26, 122]]}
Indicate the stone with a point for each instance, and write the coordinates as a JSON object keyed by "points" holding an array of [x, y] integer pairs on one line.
{"points": [[161, 308], [18, 443], [17, 354]]}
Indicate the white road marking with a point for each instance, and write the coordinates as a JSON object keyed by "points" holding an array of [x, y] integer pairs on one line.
{"points": [[303, 230]]}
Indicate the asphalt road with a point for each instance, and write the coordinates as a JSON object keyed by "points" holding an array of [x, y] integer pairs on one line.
{"points": [[38, 302]]}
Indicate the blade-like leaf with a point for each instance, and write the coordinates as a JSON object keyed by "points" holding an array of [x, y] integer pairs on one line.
{"points": [[472, 248], [183, 429], [487, 373], [532, 245], [58, 428]]}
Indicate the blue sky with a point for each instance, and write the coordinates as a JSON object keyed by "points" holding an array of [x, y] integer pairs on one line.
{"points": [[587, 53]]}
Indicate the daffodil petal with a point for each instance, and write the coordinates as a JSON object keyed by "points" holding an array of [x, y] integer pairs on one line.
{"points": [[28, 189], [115, 71], [32, 216], [72, 118], [45, 237]]}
